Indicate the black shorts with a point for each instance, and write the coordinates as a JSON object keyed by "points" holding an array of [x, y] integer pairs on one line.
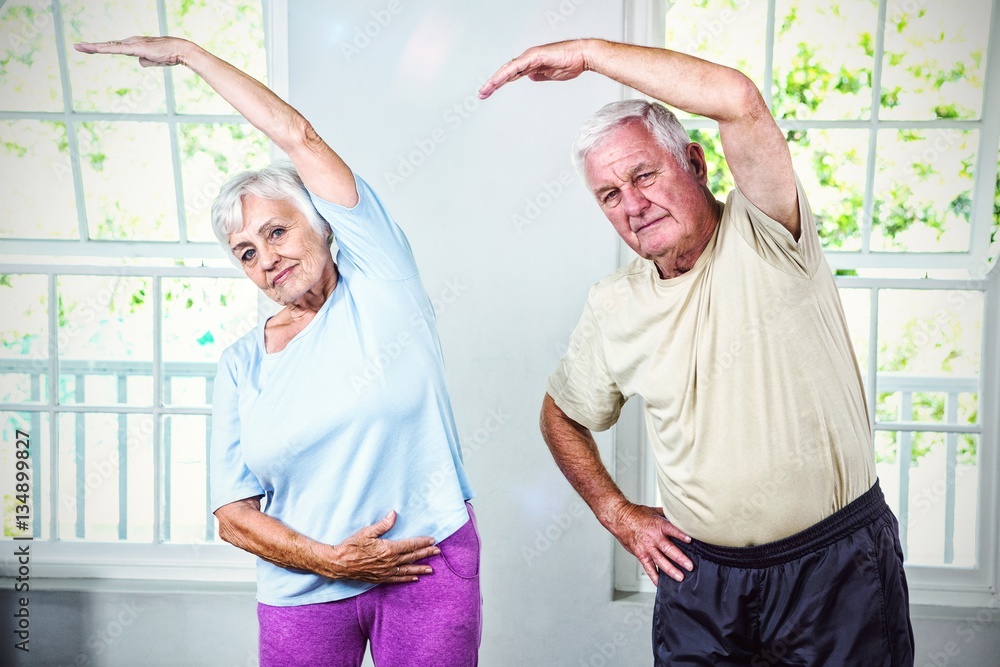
{"points": [[834, 594]]}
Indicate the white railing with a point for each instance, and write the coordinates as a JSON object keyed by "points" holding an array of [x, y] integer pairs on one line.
{"points": [[81, 405]]}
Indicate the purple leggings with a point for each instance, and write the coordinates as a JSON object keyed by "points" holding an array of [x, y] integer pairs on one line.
{"points": [[436, 620]]}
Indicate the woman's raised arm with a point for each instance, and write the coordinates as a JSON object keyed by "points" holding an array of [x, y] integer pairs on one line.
{"points": [[321, 169]]}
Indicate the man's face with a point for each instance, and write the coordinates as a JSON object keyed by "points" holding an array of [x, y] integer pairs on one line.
{"points": [[657, 206]]}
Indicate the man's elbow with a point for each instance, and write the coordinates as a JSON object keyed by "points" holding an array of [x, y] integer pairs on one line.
{"points": [[745, 99]]}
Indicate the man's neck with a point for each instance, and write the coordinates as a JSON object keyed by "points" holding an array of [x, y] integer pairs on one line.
{"points": [[673, 265]]}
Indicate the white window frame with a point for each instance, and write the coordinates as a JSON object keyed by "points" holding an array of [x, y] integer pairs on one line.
{"points": [[81, 561], [975, 587]]}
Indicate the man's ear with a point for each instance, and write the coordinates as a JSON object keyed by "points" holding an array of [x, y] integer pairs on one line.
{"points": [[696, 158]]}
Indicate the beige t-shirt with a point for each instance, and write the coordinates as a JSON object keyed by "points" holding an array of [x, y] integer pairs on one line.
{"points": [[754, 403]]}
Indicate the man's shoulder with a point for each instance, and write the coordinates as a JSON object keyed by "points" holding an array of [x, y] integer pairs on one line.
{"points": [[633, 274]]}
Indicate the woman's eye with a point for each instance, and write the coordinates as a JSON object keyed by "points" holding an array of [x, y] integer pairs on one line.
{"points": [[277, 232], [247, 256]]}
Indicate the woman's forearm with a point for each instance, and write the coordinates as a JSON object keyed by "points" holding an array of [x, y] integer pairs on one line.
{"points": [[266, 537], [277, 119]]}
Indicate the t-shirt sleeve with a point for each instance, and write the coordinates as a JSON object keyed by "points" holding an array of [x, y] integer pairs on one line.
{"points": [[231, 480], [369, 241], [771, 240], [582, 385]]}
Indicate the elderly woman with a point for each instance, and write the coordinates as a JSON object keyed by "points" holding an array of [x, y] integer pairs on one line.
{"points": [[323, 445]]}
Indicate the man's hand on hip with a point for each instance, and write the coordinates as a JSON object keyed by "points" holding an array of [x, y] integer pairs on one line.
{"points": [[646, 533]]}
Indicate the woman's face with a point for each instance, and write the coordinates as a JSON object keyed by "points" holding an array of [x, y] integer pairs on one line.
{"points": [[279, 250]]}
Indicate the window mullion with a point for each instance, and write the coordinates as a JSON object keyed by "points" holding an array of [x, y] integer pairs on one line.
{"points": [[157, 410], [769, 55], [872, 357], [868, 210], [175, 153], [74, 146], [53, 352], [985, 173]]}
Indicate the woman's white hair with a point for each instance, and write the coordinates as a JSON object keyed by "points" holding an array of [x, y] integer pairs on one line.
{"points": [[279, 181], [660, 121]]}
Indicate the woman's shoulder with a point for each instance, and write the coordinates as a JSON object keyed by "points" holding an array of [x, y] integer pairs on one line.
{"points": [[242, 350]]}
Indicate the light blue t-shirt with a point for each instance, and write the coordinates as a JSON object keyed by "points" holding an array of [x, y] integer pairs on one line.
{"points": [[352, 419]]}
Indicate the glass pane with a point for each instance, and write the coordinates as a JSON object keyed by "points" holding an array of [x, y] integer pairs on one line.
{"points": [[823, 58], [105, 336], [831, 165], [730, 32], [105, 477], [36, 191], [923, 190], [935, 59], [29, 62], [857, 303], [128, 181], [24, 331], [24, 483], [994, 249], [937, 507], [210, 155], [186, 438], [201, 318], [232, 30], [929, 355], [111, 83]]}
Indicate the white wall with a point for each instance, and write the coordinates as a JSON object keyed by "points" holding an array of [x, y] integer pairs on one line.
{"points": [[510, 296]]}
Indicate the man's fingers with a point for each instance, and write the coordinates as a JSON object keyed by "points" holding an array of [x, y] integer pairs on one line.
{"points": [[671, 530], [512, 70], [651, 571], [667, 568]]}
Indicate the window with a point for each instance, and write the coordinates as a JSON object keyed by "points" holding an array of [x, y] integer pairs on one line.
{"points": [[116, 296], [894, 129]]}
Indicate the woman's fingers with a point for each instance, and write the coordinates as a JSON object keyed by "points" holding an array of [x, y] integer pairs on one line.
{"points": [[151, 51]]}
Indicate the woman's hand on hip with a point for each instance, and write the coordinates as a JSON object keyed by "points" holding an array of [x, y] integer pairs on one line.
{"points": [[364, 556], [151, 51]]}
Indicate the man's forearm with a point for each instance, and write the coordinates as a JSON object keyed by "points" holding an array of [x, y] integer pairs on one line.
{"points": [[683, 81], [576, 454]]}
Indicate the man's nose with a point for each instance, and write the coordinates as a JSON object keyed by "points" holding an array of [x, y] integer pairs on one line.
{"points": [[635, 202]]}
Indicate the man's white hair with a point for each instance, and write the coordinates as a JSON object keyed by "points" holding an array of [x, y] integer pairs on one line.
{"points": [[660, 121]]}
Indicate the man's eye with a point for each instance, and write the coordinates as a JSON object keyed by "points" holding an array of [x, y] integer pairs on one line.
{"points": [[611, 196], [275, 233], [644, 178]]}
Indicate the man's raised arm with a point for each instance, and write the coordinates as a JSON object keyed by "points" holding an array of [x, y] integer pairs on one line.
{"points": [[754, 146]]}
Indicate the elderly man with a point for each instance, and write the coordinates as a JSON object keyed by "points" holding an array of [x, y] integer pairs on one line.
{"points": [[777, 543]]}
